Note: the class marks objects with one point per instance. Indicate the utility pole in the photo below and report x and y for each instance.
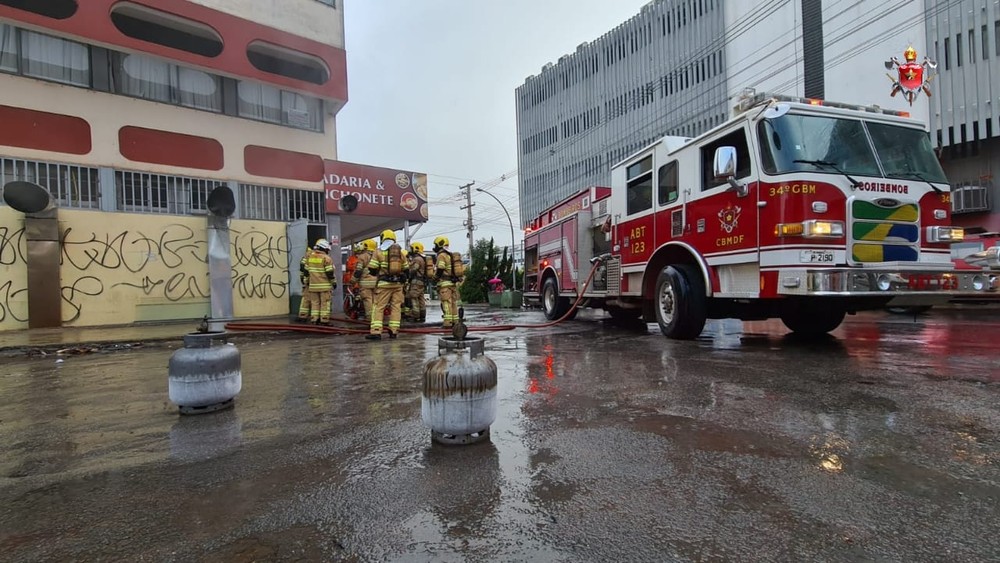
(468, 222)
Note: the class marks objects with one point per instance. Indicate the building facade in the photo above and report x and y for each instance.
(659, 73)
(679, 66)
(130, 113)
(964, 39)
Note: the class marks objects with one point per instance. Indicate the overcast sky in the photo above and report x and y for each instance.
(431, 86)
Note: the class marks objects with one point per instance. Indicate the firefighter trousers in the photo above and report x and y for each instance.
(368, 298)
(319, 305)
(305, 305)
(418, 306)
(387, 294)
(449, 304)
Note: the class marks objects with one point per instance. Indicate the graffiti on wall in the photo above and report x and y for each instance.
(13, 274)
(168, 264)
(260, 264)
(114, 263)
(260, 268)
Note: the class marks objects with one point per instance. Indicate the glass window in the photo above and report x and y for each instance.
(818, 144)
(639, 189)
(301, 111)
(906, 153)
(738, 140)
(144, 77)
(197, 89)
(8, 48)
(639, 168)
(267, 103)
(154, 79)
(53, 58)
(259, 101)
(667, 188)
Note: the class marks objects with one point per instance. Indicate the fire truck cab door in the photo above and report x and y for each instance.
(724, 213)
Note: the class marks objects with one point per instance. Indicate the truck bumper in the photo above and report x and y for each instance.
(888, 283)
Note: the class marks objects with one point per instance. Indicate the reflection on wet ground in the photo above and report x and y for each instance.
(879, 442)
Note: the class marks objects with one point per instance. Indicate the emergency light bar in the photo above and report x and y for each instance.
(750, 101)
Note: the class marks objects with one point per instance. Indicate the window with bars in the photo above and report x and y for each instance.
(70, 185)
(143, 192)
(268, 203)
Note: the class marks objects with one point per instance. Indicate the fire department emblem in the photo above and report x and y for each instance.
(729, 217)
(912, 77)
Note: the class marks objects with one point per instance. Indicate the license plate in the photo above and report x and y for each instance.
(816, 256)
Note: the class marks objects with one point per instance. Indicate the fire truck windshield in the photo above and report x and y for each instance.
(906, 153)
(792, 143)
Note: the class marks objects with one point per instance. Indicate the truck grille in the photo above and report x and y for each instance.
(885, 230)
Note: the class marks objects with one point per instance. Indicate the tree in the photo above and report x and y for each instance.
(485, 264)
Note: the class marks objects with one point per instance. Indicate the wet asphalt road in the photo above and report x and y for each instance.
(611, 444)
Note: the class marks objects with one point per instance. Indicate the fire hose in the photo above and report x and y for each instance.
(318, 329)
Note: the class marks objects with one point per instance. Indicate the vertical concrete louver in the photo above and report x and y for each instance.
(813, 70)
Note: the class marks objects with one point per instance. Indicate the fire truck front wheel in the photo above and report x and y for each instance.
(681, 307)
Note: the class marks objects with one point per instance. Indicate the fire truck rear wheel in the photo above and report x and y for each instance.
(553, 305)
(812, 320)
(681, 307)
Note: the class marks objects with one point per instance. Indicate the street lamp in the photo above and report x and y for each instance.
(512, 240)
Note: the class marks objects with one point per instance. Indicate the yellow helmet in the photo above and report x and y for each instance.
(369, 244)
(441, 241)
(388, 234)
(403, 252)
(417, 247)
(910, 54)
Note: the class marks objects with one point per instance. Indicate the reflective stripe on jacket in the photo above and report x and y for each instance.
(320, 268)
(367, 280)
(444, 265)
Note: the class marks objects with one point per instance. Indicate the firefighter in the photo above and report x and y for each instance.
(306, 304)
(318, 266)
(418, 281)
(364, 278)
(388, 266)
(450, 270)
(352, 262)
(406, 312)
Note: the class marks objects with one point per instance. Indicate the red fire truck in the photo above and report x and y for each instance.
(798, 209)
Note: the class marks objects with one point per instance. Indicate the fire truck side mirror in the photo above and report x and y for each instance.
(724, 168)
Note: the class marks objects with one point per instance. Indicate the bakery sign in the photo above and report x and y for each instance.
(379, 192)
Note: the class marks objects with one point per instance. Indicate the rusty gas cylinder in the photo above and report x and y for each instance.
(459, 399)
(205, 375)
